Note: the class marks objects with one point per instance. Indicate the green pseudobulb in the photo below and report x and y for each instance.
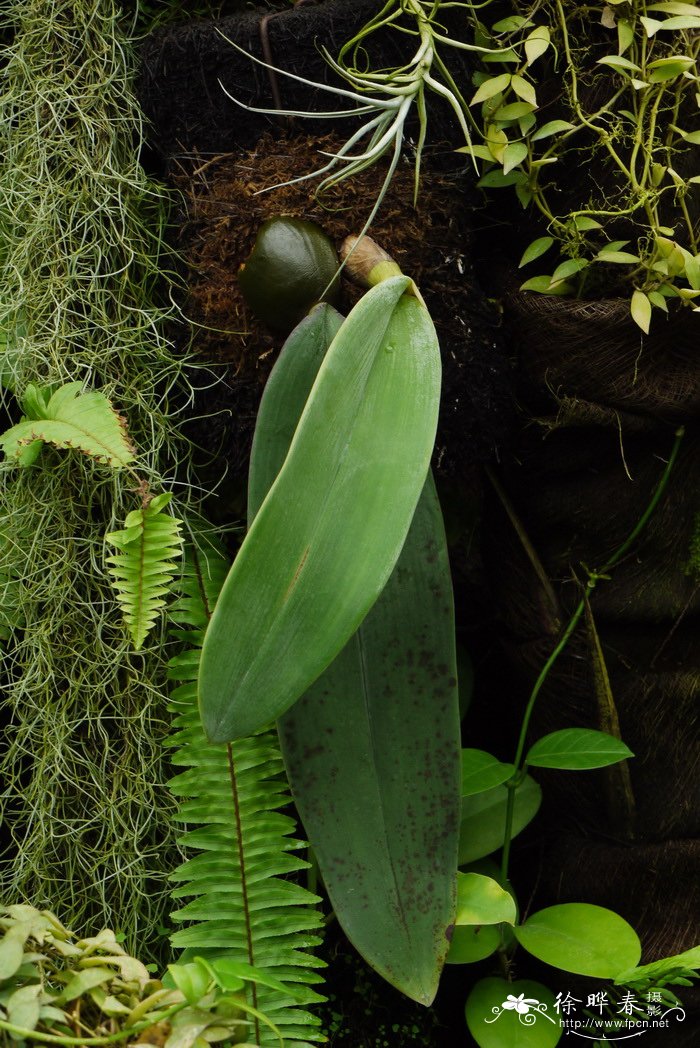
(293, 265)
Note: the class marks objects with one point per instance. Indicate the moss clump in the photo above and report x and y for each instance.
(81, 264)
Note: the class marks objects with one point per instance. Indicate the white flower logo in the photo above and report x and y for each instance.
(520, 1004)
(527, 1009)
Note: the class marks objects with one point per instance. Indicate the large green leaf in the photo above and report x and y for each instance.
(581, 938)
(519, 1014)
(372, 748)
(483, 823)
(332, 525)
(69, 418)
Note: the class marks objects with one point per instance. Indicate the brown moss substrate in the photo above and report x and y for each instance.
(224, 210)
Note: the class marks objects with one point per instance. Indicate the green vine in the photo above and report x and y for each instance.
(594, 577)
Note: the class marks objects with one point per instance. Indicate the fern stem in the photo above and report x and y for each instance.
(242, 868)
(239, 828)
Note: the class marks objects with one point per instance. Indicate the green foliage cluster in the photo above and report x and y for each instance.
(83, 307)
(630, 89)
(573, 937)
(60, 989)
(627, 106)
(498, 799)
(82, 261)
(51, 980)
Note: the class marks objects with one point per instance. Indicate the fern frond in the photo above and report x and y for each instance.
(69, 418)
(143, 570)
(241, 905)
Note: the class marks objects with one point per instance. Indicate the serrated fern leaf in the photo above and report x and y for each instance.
(69, 418)
(241, 904)
(142, 572)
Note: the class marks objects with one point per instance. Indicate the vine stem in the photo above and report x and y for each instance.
(594, 577)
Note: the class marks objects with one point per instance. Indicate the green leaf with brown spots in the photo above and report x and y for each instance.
(372, 749)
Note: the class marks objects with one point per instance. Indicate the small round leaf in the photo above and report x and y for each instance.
(481, 900)
(519, 1014)
(581, 938)
(470, 944)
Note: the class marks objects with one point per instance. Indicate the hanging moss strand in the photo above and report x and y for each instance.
(83, 297)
